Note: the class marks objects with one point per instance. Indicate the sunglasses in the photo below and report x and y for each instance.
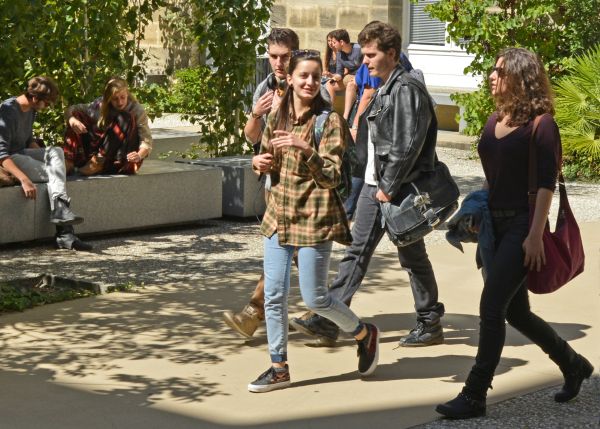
(499, 71)
(308, 53)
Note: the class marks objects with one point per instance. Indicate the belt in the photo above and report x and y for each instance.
(507, 213)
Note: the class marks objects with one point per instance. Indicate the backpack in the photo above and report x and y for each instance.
(349, 160)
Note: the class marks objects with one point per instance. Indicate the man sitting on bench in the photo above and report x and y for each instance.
(30, 163)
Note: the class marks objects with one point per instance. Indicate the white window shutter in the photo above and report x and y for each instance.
(425, 30)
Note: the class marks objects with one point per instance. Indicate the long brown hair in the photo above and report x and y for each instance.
(328, 51)
(527, 92)
(282, 116)
(113, 86)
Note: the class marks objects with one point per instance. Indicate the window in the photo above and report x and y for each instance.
(425, 30)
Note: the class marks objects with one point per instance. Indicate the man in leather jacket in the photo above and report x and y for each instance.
(395, 142)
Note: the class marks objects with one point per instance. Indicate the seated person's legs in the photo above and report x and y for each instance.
(351, 94)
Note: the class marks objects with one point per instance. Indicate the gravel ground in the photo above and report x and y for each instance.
(186, 254)
(536, 411)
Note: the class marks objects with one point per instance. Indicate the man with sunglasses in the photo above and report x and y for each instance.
(30, 163)
(398, 130)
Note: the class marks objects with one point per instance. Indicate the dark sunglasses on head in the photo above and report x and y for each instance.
(309, 53)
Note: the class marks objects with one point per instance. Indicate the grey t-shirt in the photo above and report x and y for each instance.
(16, 128)
(351, 61)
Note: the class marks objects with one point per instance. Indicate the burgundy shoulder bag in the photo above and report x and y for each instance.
(563, 247)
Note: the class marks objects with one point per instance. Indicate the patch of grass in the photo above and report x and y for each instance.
(19, 298)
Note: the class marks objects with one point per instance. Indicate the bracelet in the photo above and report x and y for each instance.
(254, 115)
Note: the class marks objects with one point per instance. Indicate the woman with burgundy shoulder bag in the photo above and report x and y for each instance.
(521, 90)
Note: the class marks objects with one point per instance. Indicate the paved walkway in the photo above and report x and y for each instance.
(163, 358)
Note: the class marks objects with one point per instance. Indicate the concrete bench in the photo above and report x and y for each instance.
(162, 193)
(243, 194)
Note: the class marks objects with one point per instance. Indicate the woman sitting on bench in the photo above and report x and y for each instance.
(110, 135)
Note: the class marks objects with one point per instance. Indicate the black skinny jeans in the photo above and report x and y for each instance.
(505, 297)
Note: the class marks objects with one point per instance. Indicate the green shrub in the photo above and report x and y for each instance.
(578, 116)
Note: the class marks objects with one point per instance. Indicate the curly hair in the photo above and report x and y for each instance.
(526, 88)
(43, 88)
(386, 37)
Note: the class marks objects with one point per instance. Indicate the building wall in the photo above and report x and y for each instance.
(313, 19)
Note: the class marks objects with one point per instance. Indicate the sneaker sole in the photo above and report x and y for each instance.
(371, 369)
(269, 387)
(231, 323)
(433, 342)
(444, 412)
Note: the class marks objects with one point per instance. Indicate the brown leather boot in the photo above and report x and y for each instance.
(94, 166)
(245, 322)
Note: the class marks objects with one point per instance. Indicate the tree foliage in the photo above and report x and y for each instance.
(80, 43)
(230, 33)
(555, 29)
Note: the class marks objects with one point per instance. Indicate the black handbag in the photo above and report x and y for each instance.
(421, 206)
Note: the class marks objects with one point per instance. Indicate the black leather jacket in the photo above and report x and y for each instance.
(403, 130)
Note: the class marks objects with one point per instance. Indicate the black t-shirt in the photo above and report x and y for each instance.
(505, 161)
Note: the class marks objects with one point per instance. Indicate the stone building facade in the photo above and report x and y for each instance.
(313, 19)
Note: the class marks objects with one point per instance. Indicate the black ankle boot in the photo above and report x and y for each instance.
(574, 376)
(464, 406)
(66, 239)
(323, 329)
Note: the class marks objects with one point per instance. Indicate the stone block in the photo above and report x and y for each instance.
(168, 139)
(380, 14)
(18, 214)
(278, 16)
(328, 18)
(354, 18)
(243, 193)
(162, 193)
(317, 39)
(303, 17)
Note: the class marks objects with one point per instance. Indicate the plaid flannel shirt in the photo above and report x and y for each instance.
(303, 207)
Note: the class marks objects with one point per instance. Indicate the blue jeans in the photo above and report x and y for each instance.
(352, 200)
(313, 267)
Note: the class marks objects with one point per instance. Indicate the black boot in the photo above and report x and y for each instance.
(66, 239)
(323, 329)
(465, 406)
(574, 376)
(424, 334)
(63, 215)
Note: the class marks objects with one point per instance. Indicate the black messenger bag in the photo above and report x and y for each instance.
(421, 206)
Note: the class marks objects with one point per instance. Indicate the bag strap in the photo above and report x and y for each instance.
(318, 126)
(532, 188)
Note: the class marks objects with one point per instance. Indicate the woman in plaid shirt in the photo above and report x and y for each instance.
(304, 212)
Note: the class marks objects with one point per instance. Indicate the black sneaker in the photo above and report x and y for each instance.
(271, 379)
(325, 331)
(423, 335)
(464, 406)
(368, 351)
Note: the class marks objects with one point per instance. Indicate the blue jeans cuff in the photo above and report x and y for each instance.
(357, 331)
(279, 358)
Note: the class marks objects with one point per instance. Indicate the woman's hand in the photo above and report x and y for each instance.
(286, 139)
(134, 157)
(28, 188)
(535, 258)
(77, 125)
(262, 162)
